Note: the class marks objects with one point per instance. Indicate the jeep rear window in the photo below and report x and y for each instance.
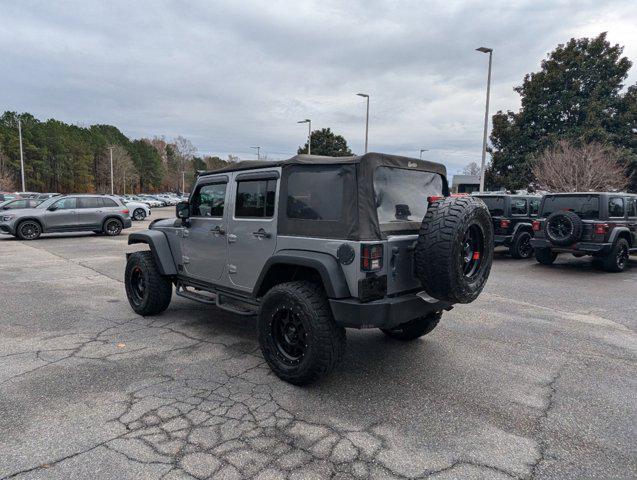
(315, 193)
(586, 206)
(401, 196)
(495, 205)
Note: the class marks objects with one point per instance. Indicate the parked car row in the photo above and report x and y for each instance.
(598, 224)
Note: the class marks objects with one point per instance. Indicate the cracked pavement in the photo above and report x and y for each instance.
(534, 380)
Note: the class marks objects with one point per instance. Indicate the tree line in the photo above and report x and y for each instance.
(59, 157)
(576, 122)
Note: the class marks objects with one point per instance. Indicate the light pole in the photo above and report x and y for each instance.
(486, 116)
(258, 152)
(183, 182)
(366, 96)
(422, 150)
(309, 134)
(111, 150)
(21, 155)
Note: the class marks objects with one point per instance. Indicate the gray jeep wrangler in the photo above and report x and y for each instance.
(313, 245)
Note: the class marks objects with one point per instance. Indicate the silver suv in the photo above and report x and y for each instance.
(69, 213)
(313, 245)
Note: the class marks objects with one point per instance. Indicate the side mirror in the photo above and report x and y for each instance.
(183, 210)
(52, 208)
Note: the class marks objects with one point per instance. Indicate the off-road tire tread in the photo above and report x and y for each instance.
(159, 287)
(608, 262)
(436, 241)
(329, 338)
(515, 248)
(545, 256)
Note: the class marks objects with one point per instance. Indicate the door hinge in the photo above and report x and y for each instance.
(185, 259)
(232, 268)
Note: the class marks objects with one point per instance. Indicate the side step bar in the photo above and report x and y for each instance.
(227, 302)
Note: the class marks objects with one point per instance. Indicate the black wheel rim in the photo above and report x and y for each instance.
(29, 230)
(560, 227)
(139, 214)
(289, 337)
(622, 256)
(137, 285)
(525, 247)
(113, 227)
(472, 251)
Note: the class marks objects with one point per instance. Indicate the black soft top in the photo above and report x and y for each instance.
(359, 219)
(372, 158)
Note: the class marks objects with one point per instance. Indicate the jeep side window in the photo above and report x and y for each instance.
(632, 207)
(306, 194)
(255, 199)
(518, 206)
(209, 200)
(616, 207)
(534, 207)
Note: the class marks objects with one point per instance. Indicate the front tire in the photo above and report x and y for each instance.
(414, 329)
(297, 333)
(148, 291)
(113, 227)
(521, 248)
(545, 256)
(618, 259)
(28, 230)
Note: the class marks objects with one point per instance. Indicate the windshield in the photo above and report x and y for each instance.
(401, 196)
(494, 204)
(585, 206)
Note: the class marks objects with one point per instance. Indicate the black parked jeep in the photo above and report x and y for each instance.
(603, 225)
(513, 217)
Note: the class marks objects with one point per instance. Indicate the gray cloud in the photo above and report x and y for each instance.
(231, 74)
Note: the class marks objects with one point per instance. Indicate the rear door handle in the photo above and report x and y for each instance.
(261, 233)
(232, 238)
(218, 230)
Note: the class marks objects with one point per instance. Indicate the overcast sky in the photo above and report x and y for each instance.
(233, 74)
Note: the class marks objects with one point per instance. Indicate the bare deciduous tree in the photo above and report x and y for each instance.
(587, 168)
(123, 170)
(471, 169)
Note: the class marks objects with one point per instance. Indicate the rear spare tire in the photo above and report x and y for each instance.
(563, 228)
(454, 250)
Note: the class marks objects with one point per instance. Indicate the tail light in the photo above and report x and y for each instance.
(125, 212)
(505, 223)
(434, 198)
(371, 257)
(601, 228)
(536, 225)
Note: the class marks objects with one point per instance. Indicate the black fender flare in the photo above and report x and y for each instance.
(522, 226)
(326, 265)
(617, 231)
(159, 247)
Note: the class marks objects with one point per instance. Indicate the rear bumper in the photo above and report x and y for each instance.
(128, 223)
(385, 313)
(502, 240)
(599, 249)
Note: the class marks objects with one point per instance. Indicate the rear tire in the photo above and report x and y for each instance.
(521, 248)
(28, 230)
(454, 251)
(139, 214)
(617, 260)
(545, 256)
(297, 333)
(148, 291)
(414, 329)
(113, 227)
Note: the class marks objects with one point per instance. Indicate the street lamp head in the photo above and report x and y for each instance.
(363, 95)
(484, 49)
(307, 120)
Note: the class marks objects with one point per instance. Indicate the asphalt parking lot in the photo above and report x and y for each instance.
(534, 380)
